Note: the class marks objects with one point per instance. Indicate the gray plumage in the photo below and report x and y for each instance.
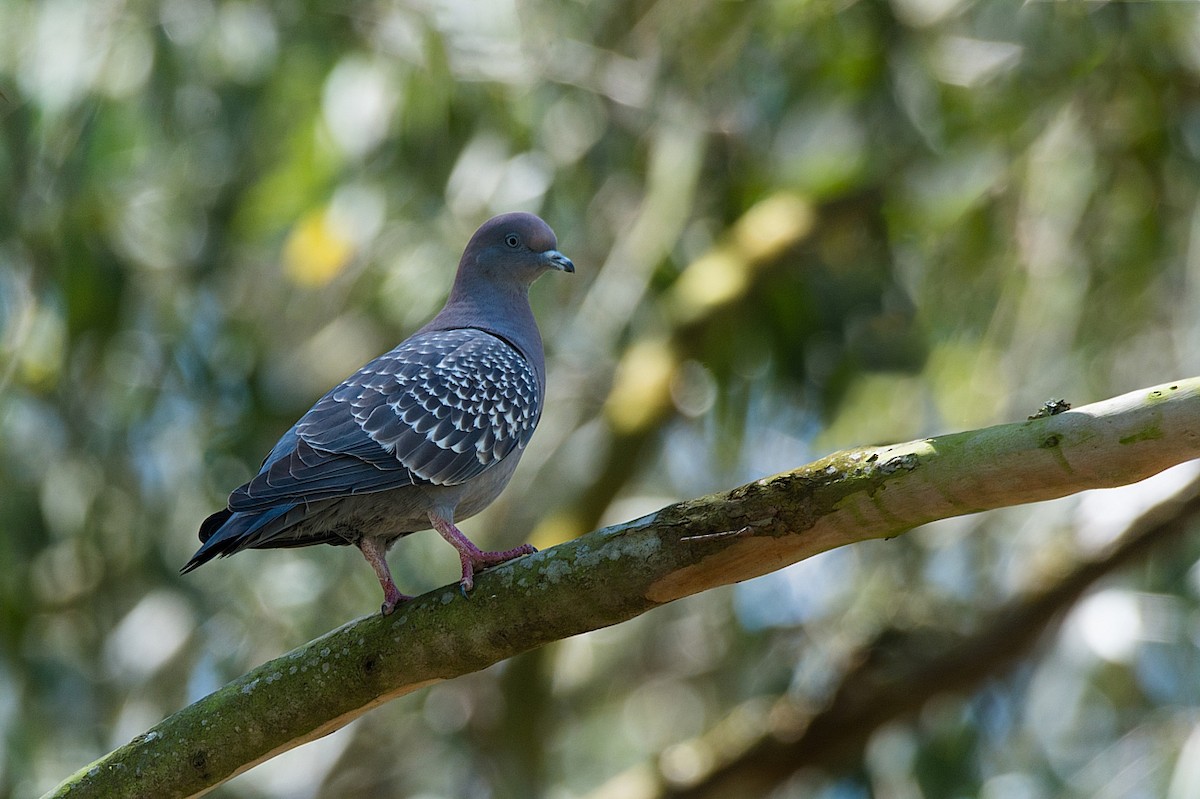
(422, 435)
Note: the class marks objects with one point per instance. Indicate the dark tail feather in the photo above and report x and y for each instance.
(222, 533)
(213, 523)
(226, 532)
(208, 528)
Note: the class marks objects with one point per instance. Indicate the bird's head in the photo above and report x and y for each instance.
(515, 247)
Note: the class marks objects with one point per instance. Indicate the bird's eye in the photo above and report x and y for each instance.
(512, 240)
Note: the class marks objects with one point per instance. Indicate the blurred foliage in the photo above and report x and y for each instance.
(215, 210)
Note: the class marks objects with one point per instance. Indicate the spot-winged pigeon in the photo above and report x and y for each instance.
(422, 435)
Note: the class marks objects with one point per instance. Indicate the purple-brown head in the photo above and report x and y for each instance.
(516, 246)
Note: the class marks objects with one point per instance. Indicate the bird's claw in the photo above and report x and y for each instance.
(392, 599)
(482, 561)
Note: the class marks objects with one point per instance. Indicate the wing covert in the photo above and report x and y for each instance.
(441, 408)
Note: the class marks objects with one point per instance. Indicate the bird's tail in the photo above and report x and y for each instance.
(226, 532)
(214, 523)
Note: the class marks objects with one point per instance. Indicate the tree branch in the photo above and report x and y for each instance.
(614, 574)
(899, 671)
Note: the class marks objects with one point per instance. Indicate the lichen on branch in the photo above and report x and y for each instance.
(614, 574)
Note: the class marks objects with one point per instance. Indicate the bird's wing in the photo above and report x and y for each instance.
(439, 409)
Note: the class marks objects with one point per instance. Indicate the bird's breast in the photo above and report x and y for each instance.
(466, 500)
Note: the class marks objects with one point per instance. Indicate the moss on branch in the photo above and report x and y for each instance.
(619, 572)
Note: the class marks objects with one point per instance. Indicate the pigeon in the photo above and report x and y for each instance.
(421, 437)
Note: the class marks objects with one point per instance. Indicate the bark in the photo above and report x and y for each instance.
(614, 574)
(901, 670)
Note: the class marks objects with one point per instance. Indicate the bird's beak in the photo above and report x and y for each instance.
(558, 261)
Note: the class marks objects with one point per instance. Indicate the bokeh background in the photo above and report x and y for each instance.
(799, 225)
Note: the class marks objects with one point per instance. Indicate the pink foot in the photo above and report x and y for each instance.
(391, 598)
(471, 556)
(375, 552)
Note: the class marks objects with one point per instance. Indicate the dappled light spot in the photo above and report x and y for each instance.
(358, 102)
(316, 250)
(1111, 624)
(725, 273)
(642, 388)
(148, 636)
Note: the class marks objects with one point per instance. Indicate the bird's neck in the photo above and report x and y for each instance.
(500, 309)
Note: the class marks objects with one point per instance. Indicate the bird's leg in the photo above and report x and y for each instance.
(473, 557)
(375, 551)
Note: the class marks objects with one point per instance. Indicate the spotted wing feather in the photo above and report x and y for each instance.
(439, 409)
